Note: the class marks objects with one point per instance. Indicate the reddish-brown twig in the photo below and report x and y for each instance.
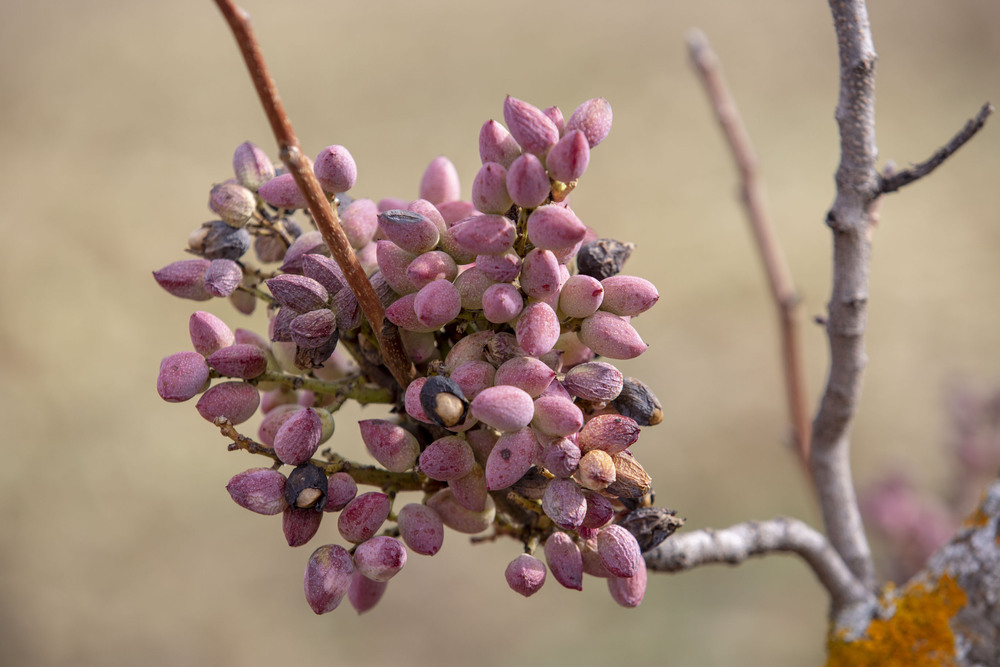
(299, 166)
(779, 276)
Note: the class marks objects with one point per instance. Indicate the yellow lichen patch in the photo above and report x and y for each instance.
(917, 635)
(977, 519)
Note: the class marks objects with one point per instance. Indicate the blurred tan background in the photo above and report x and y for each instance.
(119, 544)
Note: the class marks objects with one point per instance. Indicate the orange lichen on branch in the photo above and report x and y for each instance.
(917, 634)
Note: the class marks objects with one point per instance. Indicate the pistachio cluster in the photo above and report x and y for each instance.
(503, 303)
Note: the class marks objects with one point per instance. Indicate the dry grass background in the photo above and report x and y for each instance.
(119, 545)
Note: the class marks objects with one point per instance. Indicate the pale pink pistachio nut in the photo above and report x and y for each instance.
(537, 329)
(393, 262)
(440, 182)
(468, 348)
(449, 243)
(554, 227)
(593, 118)
(552, 359)
(411, 401)
(233, 203)
(222, 277)
(279, 326)
(564, 503)
(298, 292)
(368, 258)
(527, 183)
(484, 234)
(501, 268)
(472, 285)
(282, 192)
(610, 336)
(447, 458)
(429, 211)
(260, 490)
(530, 127)
(565, 561)
(482, 441)
(421, 528)
(599, 511)
(313, 329)
(420, 346)
(410, 231)
(525, 575)
(236, 401)
(581, 296)
(243, 302)
(274, 398)
(568, 254)
(185, 279)
(364, 593)
(569, 158)
(470, 490)
(555, 114)
(453, 211)
(629, 591)
(527, 373)
(359, 221)
(510, 459)
(284, 356)
(325, 271)
(619, 551)
(300, 525)
(596, 470)
(460, 518)
(182, 377)
(497, 145)
(239, 361)
(574, 352)
(437, 303)
(594, 381)
(503, 407)
(612, 433)
(431, 266)
(540, 274)
(388, 203)
(556, 388)
(628, 295)
(489, 189)
(592, 564)
(502, 302)
(327, 578)
(402, 314)
(274, 420)
(335, 169)
(556, 416)
(252, 166)
(298, 438)
(561, 457)
(473, 377)
(341, 489)
(309, 243)
(269, 248)
(390, 444)
(380, 558)
(362, 517)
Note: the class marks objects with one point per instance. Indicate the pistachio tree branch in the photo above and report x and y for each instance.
(857, 186)
(779, 276)
(323, 214)
(734, 545)
(907, 176)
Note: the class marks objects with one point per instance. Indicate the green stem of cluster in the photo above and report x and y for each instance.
(353, 387)
(263, 296)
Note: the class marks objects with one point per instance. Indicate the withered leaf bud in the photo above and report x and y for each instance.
(651, 525)
(603, 258)
(638, 401)
(306, 487)
(631, 479)
(443, 401)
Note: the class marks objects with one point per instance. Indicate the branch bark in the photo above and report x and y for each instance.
(736, 544)
(779, 276)
(325, 216)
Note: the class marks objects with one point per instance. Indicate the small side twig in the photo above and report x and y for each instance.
(779, 275)
(736, 544)
(905, 177)
(325, 216)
